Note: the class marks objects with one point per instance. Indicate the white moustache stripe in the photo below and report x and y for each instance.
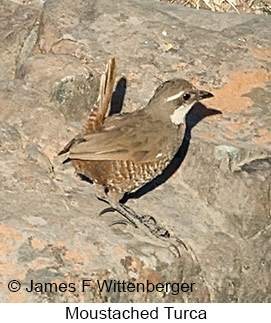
(174, 97)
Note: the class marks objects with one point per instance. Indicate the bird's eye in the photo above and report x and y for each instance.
(186, 96)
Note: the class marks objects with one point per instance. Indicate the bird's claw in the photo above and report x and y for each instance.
(119, 222)
(177, 251)
(182, 243)
(107, 210)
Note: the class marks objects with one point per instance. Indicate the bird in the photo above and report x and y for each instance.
(122, 152)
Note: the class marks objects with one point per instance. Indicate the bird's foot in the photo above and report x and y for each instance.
(161, 233)
(148, 222)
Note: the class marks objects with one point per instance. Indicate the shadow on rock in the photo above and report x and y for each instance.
(118, 97)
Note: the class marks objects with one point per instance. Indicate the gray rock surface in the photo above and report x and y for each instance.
(218, 201)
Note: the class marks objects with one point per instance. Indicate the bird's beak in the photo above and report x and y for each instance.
(204, 95)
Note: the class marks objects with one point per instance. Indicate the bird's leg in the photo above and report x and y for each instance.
(112, 198)
(159, 232)
(149, 222)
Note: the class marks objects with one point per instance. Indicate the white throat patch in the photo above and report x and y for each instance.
(178, 116)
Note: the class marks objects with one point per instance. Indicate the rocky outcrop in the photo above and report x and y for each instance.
(216, 194)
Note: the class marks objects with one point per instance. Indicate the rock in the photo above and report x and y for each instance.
(215, 196)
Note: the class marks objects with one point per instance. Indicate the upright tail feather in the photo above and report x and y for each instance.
(100, 110)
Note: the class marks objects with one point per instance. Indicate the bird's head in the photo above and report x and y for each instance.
(175, 98)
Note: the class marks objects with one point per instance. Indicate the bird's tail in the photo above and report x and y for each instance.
(100, 110)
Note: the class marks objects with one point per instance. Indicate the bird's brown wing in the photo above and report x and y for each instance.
(134, 141)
